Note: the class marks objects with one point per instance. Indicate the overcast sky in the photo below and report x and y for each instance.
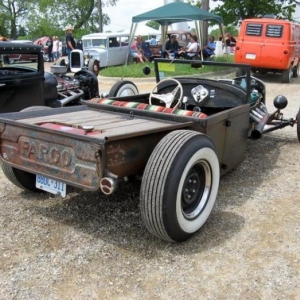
(121, 14)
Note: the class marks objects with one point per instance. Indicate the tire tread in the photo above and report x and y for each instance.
(155, 176)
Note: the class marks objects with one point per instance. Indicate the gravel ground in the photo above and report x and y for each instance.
(90, 246)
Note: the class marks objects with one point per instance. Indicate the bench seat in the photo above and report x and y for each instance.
(145, 106)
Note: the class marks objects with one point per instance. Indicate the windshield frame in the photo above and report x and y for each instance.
(94, 43)
(163, 64)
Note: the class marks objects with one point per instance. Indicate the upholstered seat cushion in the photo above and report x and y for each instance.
(146, 106)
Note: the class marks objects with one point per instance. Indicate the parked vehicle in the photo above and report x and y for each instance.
(22, 76)
(110, 49)
(179, 139)
(22, 41)
(181, 36)
(12, 58)
(43, 42)
(23, 81)
(269, 45)
(99, 50)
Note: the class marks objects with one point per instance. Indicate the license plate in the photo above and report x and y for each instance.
(51, 185)
(250, 56)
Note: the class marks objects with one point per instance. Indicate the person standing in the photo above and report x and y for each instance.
(60, 54)
(50, 48)
(55, 48)
(70, 42)
(230, 41)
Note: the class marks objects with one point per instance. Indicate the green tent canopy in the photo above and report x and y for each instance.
(176, 12)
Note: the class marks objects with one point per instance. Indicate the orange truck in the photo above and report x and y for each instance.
(269, 45)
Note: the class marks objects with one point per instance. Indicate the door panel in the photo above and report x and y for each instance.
(21, 83)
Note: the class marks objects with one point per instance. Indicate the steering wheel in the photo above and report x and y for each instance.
(168, 98)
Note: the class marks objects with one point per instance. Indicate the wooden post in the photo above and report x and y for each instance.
(205, 6)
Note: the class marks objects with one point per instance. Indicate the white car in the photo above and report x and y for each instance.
(110, 49)
(100, 50)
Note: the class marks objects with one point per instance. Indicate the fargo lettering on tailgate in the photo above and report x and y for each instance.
(44, 152)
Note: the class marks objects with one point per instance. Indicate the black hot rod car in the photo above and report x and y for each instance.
(24, 83)
(178, 139)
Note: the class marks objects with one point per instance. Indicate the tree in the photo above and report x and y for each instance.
(236, 10)
(84, 15)
(217, 32)
(49, 17)
(103, 18)
(153, 24)
(203, 4)
(14, 11)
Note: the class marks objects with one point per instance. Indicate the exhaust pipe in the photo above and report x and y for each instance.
(67, 99)
(261, 116)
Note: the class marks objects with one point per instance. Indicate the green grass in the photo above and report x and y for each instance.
(132, 70)
(136, 70)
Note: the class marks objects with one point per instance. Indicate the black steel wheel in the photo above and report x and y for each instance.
(179, 185)
(123, 88)
(20, 178)
(94, 66)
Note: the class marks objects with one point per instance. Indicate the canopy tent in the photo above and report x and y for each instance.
(175, 12)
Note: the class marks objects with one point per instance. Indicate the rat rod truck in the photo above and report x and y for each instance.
(179, 139)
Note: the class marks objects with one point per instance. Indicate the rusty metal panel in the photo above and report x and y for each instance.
(129, 156)
(63, 158)
(236, 137)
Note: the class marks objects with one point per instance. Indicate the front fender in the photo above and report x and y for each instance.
(100, 54)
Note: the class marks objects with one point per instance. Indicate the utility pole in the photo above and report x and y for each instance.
(205, 6)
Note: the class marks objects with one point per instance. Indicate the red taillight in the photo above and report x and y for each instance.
(237, 48)
(285, 52)
(108, 185)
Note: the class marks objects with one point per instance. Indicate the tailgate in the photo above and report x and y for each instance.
(68, 159)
